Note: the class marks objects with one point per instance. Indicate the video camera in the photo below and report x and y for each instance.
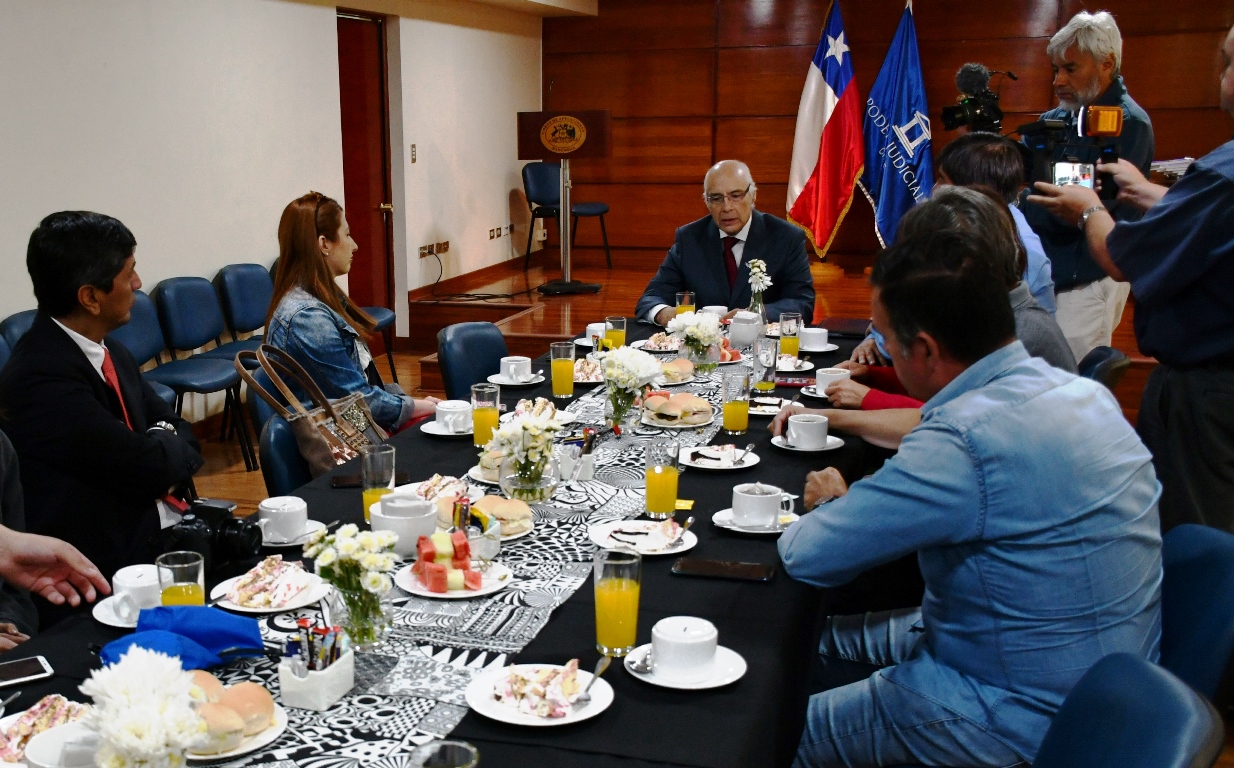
(977, 106)
(1043, 138)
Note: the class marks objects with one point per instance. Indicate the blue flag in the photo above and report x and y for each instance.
(899, 166)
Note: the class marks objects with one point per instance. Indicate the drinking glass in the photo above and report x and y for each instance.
(485, 402)
(736, 402)
(182, 578)
(376, 474)
(615, 333)
(617, 574)
(685, 302)
(447, 753)
(790, 330)
(764, 364)
(561, 353)
(661, 462)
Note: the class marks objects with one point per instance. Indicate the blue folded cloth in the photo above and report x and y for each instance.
(195, 633)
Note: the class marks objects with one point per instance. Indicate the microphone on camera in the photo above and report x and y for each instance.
(972, 79)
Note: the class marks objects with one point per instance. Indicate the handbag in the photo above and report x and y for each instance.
(330, 433)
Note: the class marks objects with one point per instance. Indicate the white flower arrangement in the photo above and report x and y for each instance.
(354, 559)
(143, 711)
(527, 440)
(629, 369)
(759, 281)
(697, 330)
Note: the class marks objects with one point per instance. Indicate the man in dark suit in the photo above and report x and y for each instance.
(102, 456)
(711, 256)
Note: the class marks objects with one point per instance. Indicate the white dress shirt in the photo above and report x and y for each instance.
(739, 248)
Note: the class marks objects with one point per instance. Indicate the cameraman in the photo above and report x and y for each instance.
(1087, 55)
(1179, 260)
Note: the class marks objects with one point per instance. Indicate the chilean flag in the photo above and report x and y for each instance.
(827, 146)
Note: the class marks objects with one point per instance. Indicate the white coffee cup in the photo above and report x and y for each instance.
(715, 309)
(683, 649)
(596, 331)
(813, 338)
(454, 415)
(824, 377)
(406, 516)
(135, 587)
(807, 431)
(758, 505)
(516, 368)
(282, 518)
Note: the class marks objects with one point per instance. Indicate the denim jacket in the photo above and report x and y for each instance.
(1032, 506)
(323, 342)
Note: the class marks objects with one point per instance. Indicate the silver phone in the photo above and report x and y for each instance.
(24, 670)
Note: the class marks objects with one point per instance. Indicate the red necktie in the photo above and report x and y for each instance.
(109, 376)
(730, 261)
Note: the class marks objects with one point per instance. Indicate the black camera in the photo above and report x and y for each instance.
(229, 545)
(978, 105)
(1081, 139)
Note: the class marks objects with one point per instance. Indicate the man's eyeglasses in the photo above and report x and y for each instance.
(732, 197)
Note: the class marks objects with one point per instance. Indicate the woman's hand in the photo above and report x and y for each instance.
(846, 393)
(425, 406)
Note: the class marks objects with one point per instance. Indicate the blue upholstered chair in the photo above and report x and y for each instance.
(542, 185)
(143, 338)
(1197, 605)
(1104, 364)
(5, 351)
(467, 354)
(282, 466)
(15, 326)
(244, 292)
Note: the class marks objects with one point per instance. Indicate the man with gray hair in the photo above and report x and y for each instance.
(1087, 57)
(711, 257)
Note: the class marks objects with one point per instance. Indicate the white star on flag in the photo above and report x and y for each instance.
(836, 48)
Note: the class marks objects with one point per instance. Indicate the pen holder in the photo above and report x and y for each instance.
(321, 688)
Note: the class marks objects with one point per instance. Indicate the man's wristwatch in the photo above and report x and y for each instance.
(167, 425)
(1089, 212)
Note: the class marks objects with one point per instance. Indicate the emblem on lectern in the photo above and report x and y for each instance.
(563, 134)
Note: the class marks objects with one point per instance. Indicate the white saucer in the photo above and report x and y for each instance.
(600, 533)
(802, 365)
(688, 460)
(497, 378)
(825, 348)
(729, 667)
(433, 428)
(724, 519)
(312, 527)
(833, 442)
(660, 381)
(811, 390)
(104, 612)
(479, 696)
(584, 342)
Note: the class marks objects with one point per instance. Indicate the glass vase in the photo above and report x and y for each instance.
(367, 617)
(705, 358)
(757, 306)
(531, 482)
(621, 415)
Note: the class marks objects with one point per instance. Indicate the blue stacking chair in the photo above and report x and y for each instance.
(542, 185)
(5, 351)
(244, 292)
(1197, 605)
(468, 353)
(282, 466)
(15, 326)
(1104, 364)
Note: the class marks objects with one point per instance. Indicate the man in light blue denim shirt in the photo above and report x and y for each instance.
(1032, 505)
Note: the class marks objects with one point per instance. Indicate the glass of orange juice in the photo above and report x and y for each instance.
(561, 353)
(485, 405)
(790, 330)
(182, 578)
(376, 473)
(685, 302)
(736, 402)
(615, 331)
(662, 470)
(617, 574)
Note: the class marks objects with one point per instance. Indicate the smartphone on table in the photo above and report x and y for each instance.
(24, 670)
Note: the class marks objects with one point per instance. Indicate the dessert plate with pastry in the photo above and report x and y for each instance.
(20, 728)
(646, 537)
(272, 586)
(766, 406)
(718, 457)
(240, 719)
(537, 695)
(680, 411)
(792, 364)
(540, 407)
(587, 371)
(659, 342)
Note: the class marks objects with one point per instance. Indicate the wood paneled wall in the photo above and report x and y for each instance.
(690, 82)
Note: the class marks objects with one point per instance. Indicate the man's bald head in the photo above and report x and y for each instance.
(728, 189)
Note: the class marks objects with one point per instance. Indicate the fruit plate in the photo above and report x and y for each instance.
(250, 743)
(479, 696)
(316, 590)
(496, 578)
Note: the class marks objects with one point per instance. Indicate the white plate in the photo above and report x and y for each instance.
(250, 743)
(589, 383)
(660, 381)
(474, 474)
(811, 390)
(104, 612)
(497, 378)
(561, 417)
(600, 532)
(316, 590)
(433, 428)
(688, 459)
(766, 410)
(497, 578)
(802, 365)
(729, 668)
(312, 527)
(649, 423)
(724, 519)
(833, 442)
(479, 696)
(739, 361)
(825, 348)
(642, 343)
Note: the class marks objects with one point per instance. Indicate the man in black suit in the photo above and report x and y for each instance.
(102, 456)
(711, 256)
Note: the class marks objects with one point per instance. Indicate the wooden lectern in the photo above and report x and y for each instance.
(562, 136)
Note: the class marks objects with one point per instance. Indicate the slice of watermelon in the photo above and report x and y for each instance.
(433, 575)
(461, 564)
(425, 550)
(462, 547)
(473, 580)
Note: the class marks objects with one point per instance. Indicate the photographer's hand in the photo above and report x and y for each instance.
(1066, 202)
(1133, 188)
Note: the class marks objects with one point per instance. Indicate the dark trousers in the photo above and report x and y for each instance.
(1187, 421)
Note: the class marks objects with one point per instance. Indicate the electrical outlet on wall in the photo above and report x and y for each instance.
(490, 234)
(413, 153)
(425, 251)
(445, 247)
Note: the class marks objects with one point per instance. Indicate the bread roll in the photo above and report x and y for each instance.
(211, 688)
(515, 516)
(252, 703)
(224, 728)
(445, 511)
(654, 402)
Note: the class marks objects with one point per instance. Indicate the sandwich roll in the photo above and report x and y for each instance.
(208, 685)
(224, 729)
(515, 516)
(252, 703)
